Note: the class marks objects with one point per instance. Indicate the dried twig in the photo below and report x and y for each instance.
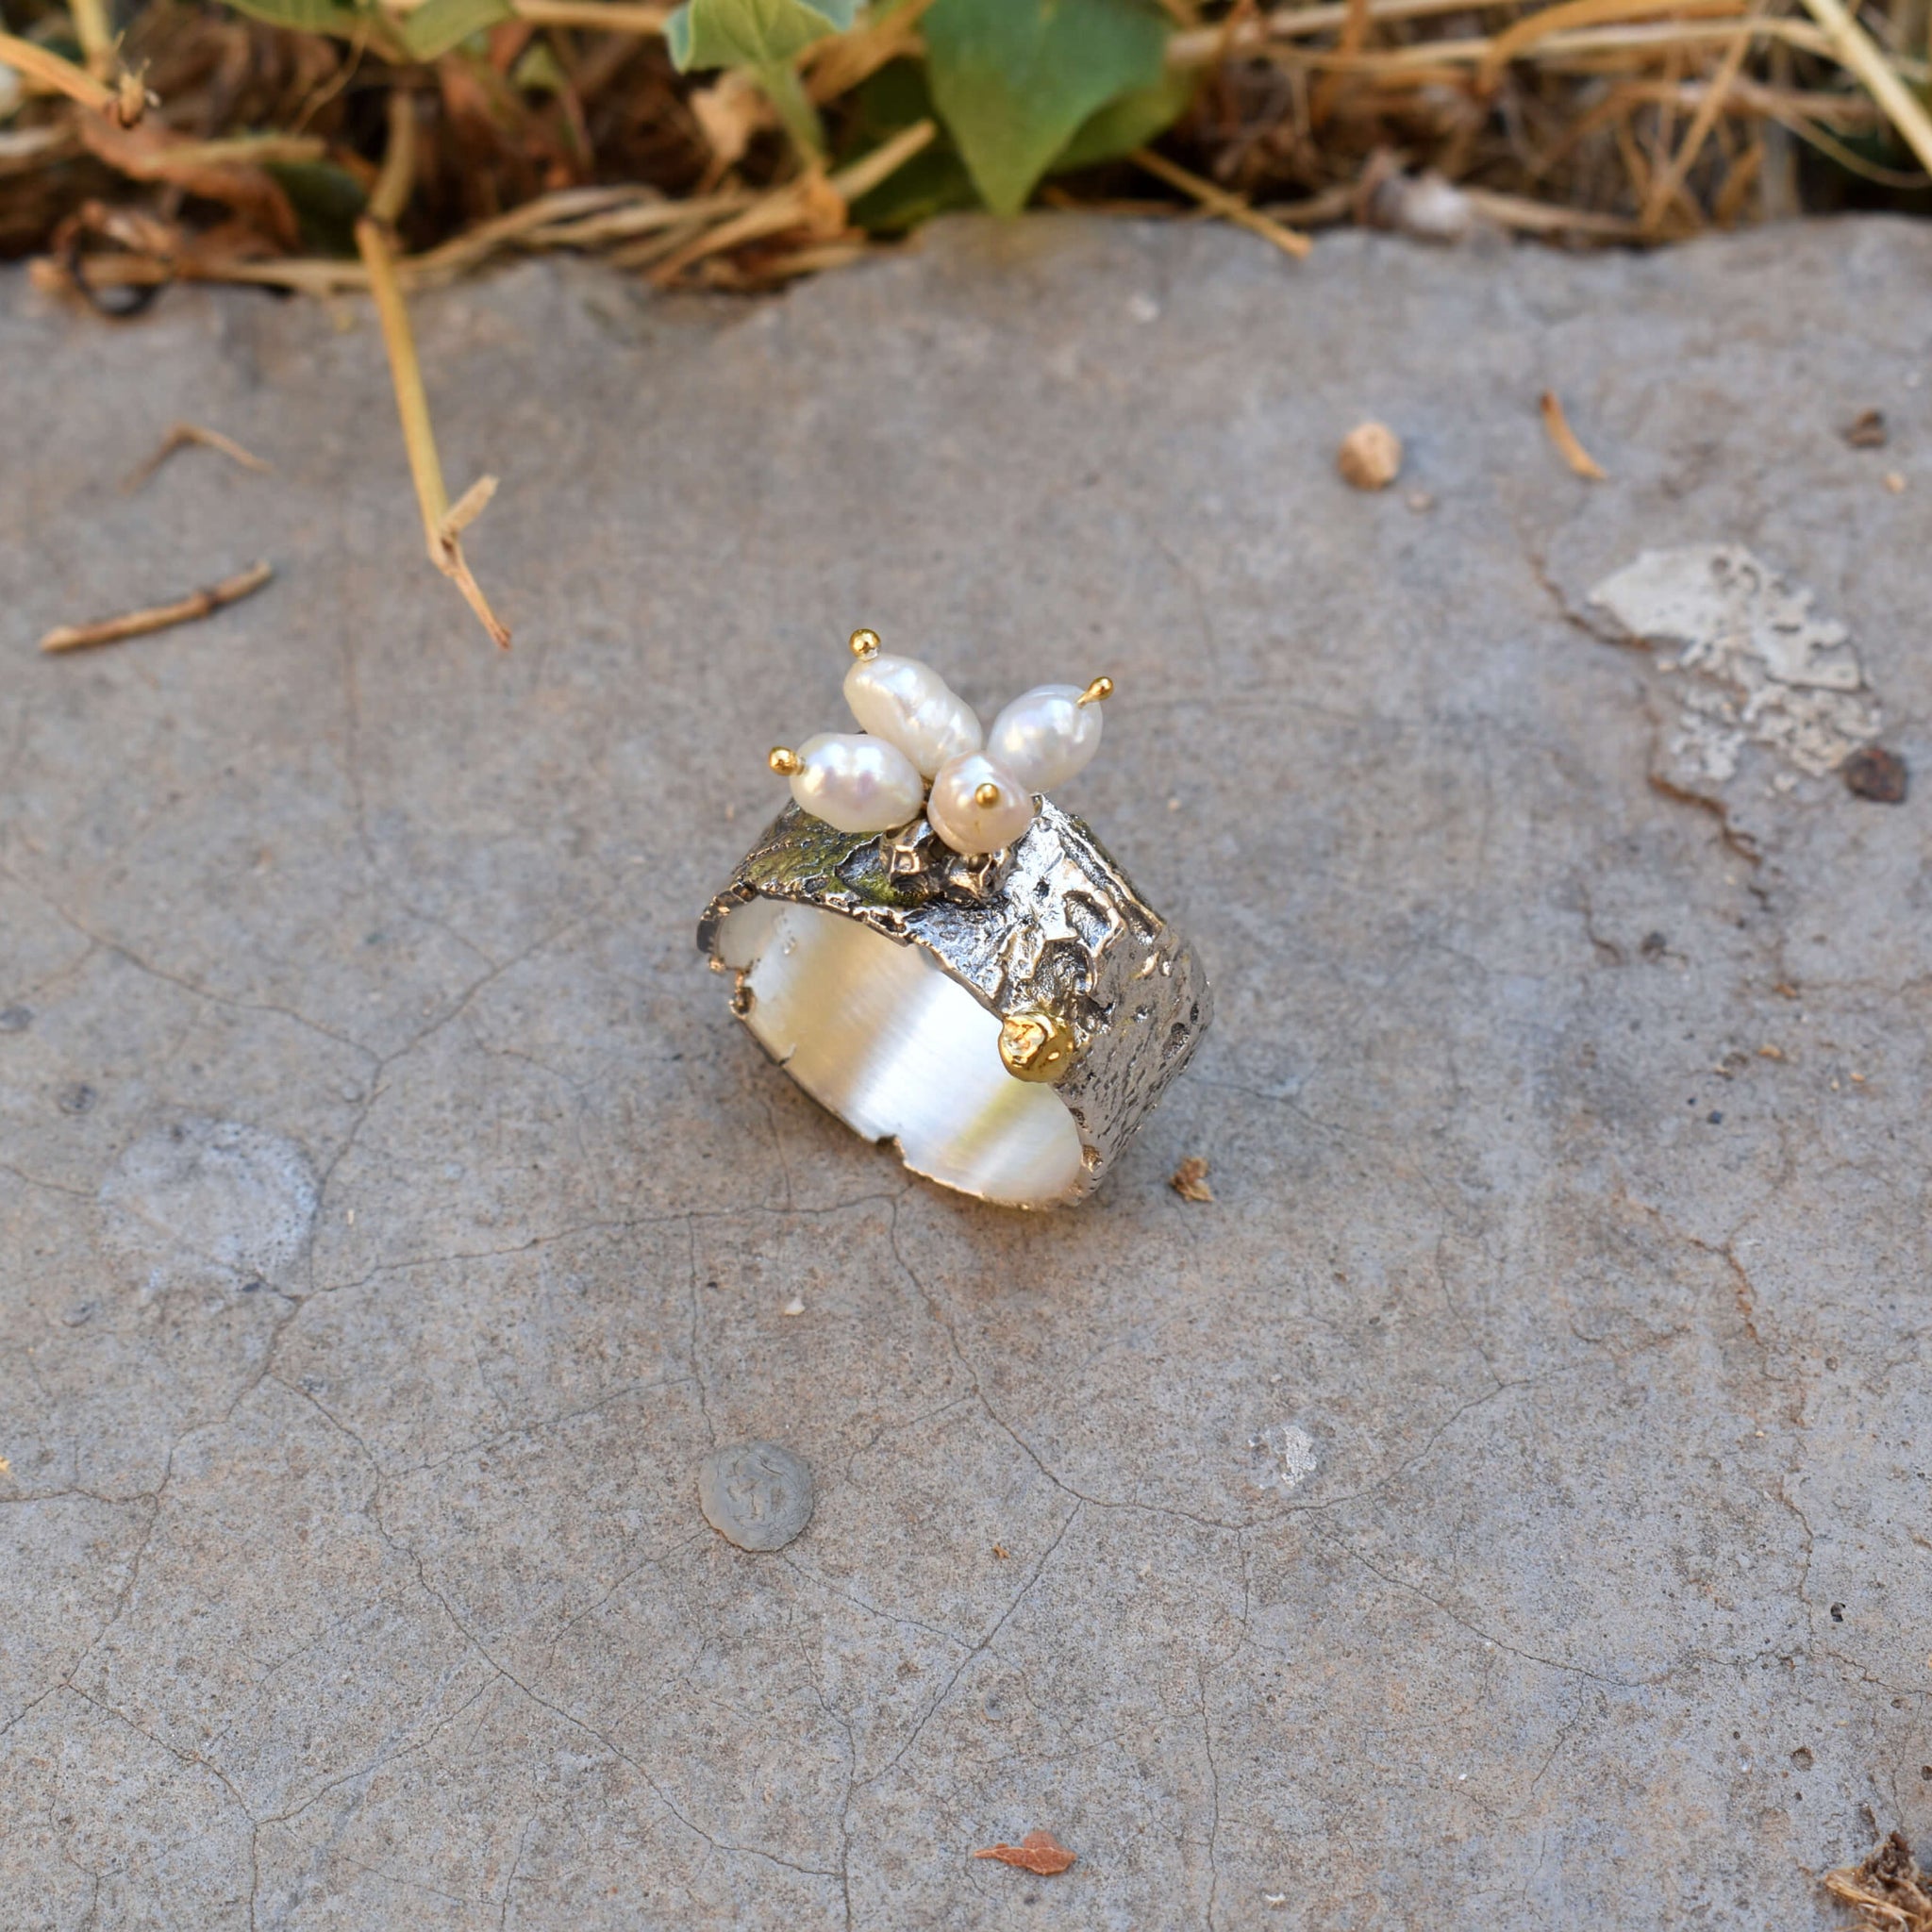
(1219, 201)
(442, 527)
(178, 436)
(1565, 440)
(197, 603)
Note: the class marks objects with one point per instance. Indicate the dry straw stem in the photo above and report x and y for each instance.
(442, 526)
(180, 435)
(197, 603)
(125, 103)
(1564, 437)
(1219, 201)
(1669, 178)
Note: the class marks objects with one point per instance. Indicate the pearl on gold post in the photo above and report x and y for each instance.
(854, 782)
(1049, 735)
(977, 805)
(909, 703)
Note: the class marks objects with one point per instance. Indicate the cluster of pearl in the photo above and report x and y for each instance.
(918, 733)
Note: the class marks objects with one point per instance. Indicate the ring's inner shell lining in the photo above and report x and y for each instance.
(895, 1048)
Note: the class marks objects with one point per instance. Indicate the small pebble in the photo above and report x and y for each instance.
(1895, 482)
(16, 1019)
(1370, 456)
(1867, 430)
(1873, 772)
(794, 1307)
(755, 1494)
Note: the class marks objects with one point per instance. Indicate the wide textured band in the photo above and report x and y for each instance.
(1007, 1021)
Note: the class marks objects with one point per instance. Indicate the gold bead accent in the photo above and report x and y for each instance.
(865, 643)
(986, 796)
(1101, 688)
(785, 761)
(1035, 1046)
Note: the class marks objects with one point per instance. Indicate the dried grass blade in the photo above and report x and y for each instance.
(125, 104)
(197, 603)
(1572, 451)
(600, 16)
(1855, 49)
(1219, 201)
(1663, 188)
(793, 204)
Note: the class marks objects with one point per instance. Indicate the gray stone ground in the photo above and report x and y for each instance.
(391, 1215)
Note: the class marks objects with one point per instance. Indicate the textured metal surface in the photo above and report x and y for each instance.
(1055, 926)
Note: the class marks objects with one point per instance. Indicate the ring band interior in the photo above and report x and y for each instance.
(898, 1050)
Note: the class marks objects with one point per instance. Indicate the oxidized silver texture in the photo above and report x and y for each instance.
(1049, 924)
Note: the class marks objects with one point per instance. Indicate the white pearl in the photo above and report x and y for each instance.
(968, 826)
(1046, 736)
(909, 703)
(857, 783)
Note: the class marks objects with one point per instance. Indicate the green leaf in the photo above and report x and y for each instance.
(307, 16)
(437, 25)
(751, 33)
(326, 200)
(1130, 121)
(1015, 79)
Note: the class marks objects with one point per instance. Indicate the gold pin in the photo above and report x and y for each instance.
(785, 761)
(986, 796)
(865, 643)
(1101, 688)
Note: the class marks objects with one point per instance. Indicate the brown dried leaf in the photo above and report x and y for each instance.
(1038, 1852)
(1190, 1180)
(1886, 1890)
(1867, 430)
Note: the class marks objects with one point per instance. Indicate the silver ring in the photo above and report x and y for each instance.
(1006, 1021)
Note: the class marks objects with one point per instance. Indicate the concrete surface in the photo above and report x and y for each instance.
(1505, 1504)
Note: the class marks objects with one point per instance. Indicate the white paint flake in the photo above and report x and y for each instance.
(1285, 1456)
(1758, 666)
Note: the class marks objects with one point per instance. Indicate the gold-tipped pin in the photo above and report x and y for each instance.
(1102, 688)
(785, 761)
(865, 643)
(986, 796)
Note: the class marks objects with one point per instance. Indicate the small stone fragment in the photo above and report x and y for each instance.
(1189, 1180)
(1867, 430)
(1038, 1852)
(794, 1307)
(1370, 456)
(1426, 205)
(16, 1019)
(1873, 772)
(1895, 482)
(755, 1494)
